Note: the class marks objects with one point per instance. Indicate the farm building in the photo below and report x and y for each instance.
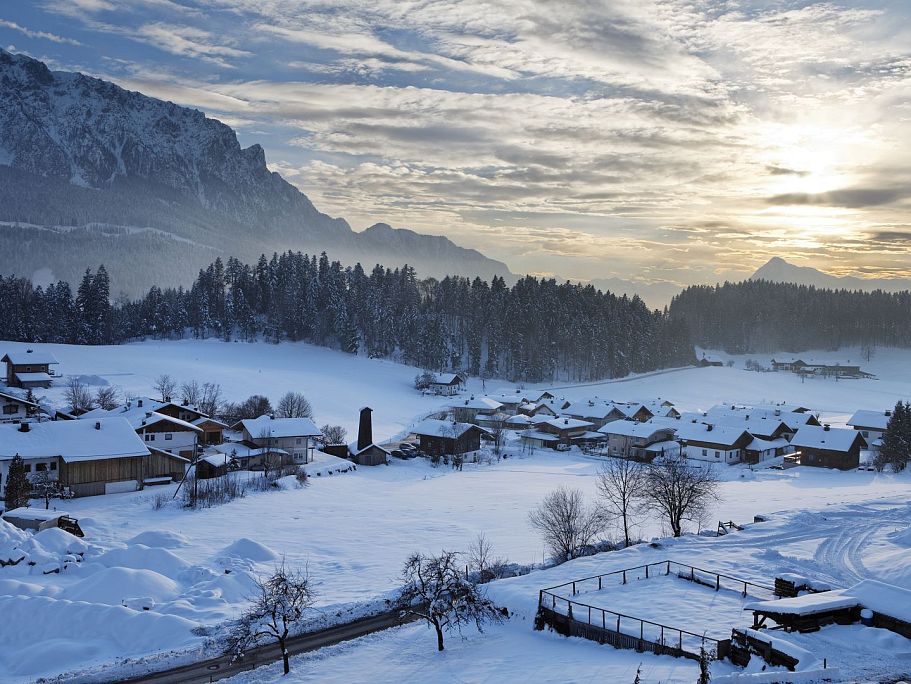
(598, 413)
(566, 429)
(446, 383)
(365, 451)
(29, 368)
(760, 449)
(630, 438)
(473, 408)
(439, 437)
(828, 447)
(293, 435)
(15, 408)
(871, 425)
(88, 457)
(713, 443)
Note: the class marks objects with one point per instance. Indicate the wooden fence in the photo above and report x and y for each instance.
(570, 617)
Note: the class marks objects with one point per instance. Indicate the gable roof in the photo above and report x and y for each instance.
(633, 428)
(72, 440)
(479, 403)
(277, 428)
(831, 439)
(140, 412)
(878, 420)
(723, 435)
(25, 358)
(446, 379)
(565, 423)
(6, 396)
(443, 428)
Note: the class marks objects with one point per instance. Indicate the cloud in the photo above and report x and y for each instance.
(44, 35)
(854, 198)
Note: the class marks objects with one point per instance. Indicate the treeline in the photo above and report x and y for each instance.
(760, 316)
(536, 330)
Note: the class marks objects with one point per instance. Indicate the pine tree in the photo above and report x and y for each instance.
(896, 441)
(18, 486)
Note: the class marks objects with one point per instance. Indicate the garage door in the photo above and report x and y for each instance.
(122, 486)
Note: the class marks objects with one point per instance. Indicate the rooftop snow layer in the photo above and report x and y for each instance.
(73, 440)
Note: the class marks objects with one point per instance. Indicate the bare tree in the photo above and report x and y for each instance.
(165, 386)
(294, 405)
(566, 523)
(620, 483)
(479, 556)
(282, 601)
(106, 397)
(77, 395)
(333, 434)
(678, 492)
(253, 406)
(498, 432)
(44, 486)
(190, 392)
(436, 591)
(210, 399)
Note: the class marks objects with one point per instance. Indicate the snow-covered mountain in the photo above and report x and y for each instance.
(777, 270)
(90, 173)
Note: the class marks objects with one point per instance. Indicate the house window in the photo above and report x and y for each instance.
(28, 467)
(168, 436)
(150, 437)
(40, 467)
(298, 440)
(717, 454)
(53, 465)
(10, 409)
(705, 452)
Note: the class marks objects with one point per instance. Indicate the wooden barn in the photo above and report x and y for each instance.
(439, 437)
(29, 368)
(828, 447)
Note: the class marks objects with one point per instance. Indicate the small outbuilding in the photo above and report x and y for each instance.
(29, 368)
(439, 437)
(828, 447)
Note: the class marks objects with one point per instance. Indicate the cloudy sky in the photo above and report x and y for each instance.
(653, 140)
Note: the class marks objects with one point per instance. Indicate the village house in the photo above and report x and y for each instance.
(760, 449)
(537, 409)
(630, 438)
(712, 443)
(872, 426)
(220, 458)
(86, 458)
(15, 409)
(836, 370)
(473, 408)
(364, 451)
(828, 447)
(29, 369)
(598, 413)
(158, 425)
(566, 429)
(446, 384)
(293, 435)
(439, 437)
(635, 411)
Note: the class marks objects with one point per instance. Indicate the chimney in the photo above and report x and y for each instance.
(98, 424)
(139, 403)
(566, 421)
(708, 428)
(23, 426)
(29, 351)
(825, 427)
(365, 429)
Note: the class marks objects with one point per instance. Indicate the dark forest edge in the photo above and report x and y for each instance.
(537, 330)
(756, 316)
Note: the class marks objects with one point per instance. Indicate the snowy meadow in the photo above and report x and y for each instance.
(354, 530)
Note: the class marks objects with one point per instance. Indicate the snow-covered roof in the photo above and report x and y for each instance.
(886, 599)
(883, 598)
(792, 419)
(6, 396)
(443, 428)
(878, 420)
(241, 450)
(723, 435)
(24, 358)
(565, 423)
(590, 409)
(767, 444)
(73, 440)
(34, 377)
(633, 428)
(445, 378)
(354, 451)
(26, 513)
(479, 403)
(203, 420)
(537, 434)
(819, 437)
(669, 445)
(808, 604)
(153, 418)
(264, 426)
(519, 419)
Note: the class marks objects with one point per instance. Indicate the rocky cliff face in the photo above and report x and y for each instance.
(78, 152)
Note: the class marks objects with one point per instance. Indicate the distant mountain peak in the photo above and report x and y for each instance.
(778, 270)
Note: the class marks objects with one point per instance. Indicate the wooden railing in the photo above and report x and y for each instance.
(558, 608)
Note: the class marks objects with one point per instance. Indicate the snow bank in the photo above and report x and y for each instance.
(112, 585)
(161, 539)
(55, 636)
(55, 540)
(247, 549)
(143, 557)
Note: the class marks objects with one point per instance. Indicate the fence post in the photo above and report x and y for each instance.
(680, 642)
(618, 624)
(668, 568)
(744, 589)
(662, 635)
(540, 598)
(599, 582)
(646, 571)
(717, 582)
(692, 574)
(624, 576)
(603, 621)
(574, 588)
(553, 601)
(641, 630)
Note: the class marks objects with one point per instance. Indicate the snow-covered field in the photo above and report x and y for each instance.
(355, 529)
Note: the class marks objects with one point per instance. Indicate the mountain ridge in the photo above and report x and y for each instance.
(77, 152)
(778, 270)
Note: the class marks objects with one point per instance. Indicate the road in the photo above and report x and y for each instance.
(617, 381)
(220, 668)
